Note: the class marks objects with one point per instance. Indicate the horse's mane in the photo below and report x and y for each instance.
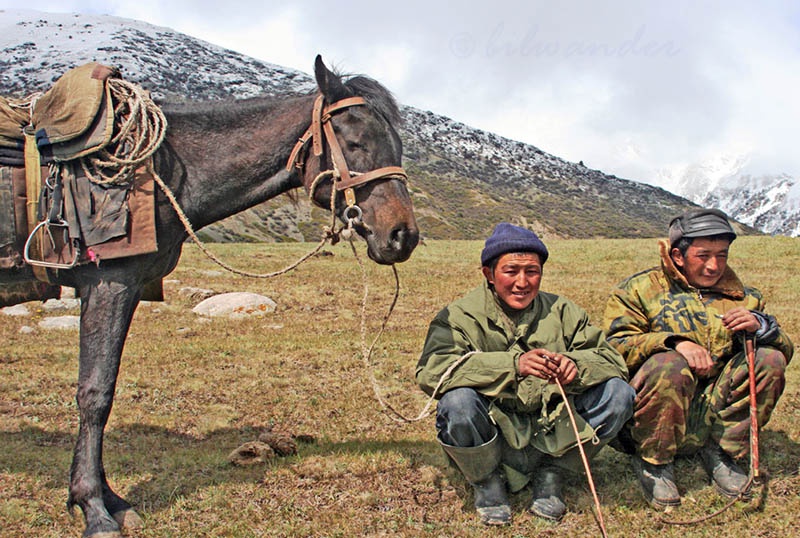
(378, 98)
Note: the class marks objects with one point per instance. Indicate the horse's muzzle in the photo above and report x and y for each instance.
(396, 247)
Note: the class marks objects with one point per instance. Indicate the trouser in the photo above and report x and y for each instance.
(676, 412)
(462, 420)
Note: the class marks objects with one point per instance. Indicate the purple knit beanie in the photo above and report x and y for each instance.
(509, 238)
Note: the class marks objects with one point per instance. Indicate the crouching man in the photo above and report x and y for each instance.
(493, 357)
(681, 328)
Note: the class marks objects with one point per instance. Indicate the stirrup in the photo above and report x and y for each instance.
(42, 263)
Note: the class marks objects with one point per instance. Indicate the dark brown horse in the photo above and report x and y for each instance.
(220, 158)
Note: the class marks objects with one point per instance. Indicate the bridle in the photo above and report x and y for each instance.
(344, 179)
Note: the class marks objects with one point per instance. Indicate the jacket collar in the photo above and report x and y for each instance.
(729, 284)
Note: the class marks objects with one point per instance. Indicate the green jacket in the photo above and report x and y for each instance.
(527, 410)
(649, 307)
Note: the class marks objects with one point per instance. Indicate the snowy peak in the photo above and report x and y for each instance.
(697, 180)
(768, 203)
(36, 48)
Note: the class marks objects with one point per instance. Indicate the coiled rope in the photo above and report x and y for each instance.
(140, 129)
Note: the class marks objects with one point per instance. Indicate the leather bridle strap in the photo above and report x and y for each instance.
(319, 114)
(343, 178)
(356, 179)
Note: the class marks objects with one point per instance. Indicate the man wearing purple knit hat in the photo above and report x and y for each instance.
(492, 359)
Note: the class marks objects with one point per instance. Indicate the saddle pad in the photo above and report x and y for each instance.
(12, 121)
(141, 229)
(13, 216)
(71, 106)
(9, 257)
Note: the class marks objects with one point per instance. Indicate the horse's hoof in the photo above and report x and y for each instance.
(103, 535)
(128, 519)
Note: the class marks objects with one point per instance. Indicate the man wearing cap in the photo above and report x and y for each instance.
(493, 357)
(681, 328)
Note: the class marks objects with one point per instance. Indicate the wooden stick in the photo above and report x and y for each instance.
(584, 458)
(751, 366)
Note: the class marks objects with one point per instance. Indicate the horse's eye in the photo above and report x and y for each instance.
(355, 146)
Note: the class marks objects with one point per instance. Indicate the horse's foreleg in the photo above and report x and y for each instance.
(106, 311)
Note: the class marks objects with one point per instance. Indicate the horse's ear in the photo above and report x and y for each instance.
(328, 82)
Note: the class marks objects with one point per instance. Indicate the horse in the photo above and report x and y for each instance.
(219, 158)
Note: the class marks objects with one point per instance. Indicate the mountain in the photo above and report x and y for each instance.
(462, 180)
(768, 202)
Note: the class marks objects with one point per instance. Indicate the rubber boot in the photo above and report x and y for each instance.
(658, 482)
(480, 466)
(548, 501)
(727, 476)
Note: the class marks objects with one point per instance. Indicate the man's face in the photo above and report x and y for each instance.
(704, 262)
(516, 278)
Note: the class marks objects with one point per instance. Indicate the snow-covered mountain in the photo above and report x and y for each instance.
(36, 48)
(768, 202)
(455, 169)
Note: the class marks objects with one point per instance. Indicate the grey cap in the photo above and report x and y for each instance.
(700, 223)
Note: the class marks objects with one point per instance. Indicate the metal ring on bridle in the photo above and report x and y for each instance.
(350, 218)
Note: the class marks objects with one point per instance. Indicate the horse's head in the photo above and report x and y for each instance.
(353, 166)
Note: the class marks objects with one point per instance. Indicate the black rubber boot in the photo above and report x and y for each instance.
(728, 477)
(480, 466)
(491, 500)
(658, 483)
(547, 500)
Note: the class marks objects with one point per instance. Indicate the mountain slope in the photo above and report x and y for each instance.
(463, 180)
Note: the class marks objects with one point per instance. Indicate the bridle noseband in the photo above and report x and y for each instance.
(344, 179)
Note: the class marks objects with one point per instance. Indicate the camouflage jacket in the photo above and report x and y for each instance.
(649, 307)
(528, 410)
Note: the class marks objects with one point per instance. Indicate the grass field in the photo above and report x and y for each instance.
(191, 390)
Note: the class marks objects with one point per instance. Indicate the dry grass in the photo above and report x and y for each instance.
(191, 391)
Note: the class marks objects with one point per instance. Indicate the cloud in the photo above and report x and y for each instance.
(628, 87)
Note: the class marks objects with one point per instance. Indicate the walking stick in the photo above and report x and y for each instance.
(750, 353)
(584, 458)
(749, 342)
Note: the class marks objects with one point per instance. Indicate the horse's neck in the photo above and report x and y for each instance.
(229, 156)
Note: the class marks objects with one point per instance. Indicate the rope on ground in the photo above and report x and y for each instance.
(701, 519)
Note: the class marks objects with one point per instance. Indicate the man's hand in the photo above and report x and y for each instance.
(697, 356)
(740, 319)
(547, 365)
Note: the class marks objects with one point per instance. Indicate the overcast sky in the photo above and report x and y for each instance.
(633, 88)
